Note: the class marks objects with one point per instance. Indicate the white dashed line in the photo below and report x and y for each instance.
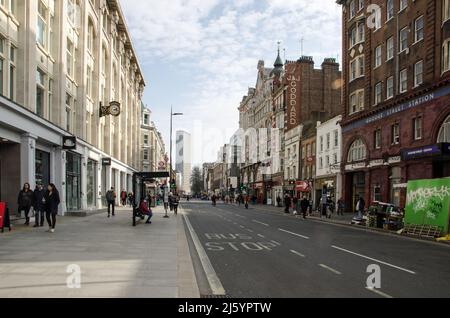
(261, 236)
(299, 235)
(242, 227)
(251, 231)
(378, 292)
(260, 223)
(330, 269)
(297, 253)
(373, 259)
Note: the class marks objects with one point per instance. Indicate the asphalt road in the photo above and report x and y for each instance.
(261, 253)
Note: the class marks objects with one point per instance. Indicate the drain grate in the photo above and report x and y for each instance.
(214, 296)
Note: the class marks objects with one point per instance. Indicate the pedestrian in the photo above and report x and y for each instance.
(341, 207)
(123, 197)
(39, 205)
(330, 208)
(304, 206)
(360, 207)
(247, 201)
(287, 203)
(52, 201)
(110, 199)
(145, 210)
(25, 201)
(324, 206)
(171, 202)
(278, 201)
(295, 203)
(176, 202)
(213, 199)
(131, 199)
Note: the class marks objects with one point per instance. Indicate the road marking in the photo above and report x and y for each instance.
(242, 227)
(275, 242)
(243, 217)
(299, 235)
(375, 260)
(378, 292)
(297, 253)
(251, 231)
(211, 275)
(260, 223)
(261, 236)
(330, 269)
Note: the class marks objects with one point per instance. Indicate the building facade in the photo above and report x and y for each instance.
(61, 60)
(396, 97)
(153, 153)
(312, 95)
(184, 160)
(328, 178)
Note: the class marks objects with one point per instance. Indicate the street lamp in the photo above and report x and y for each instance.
(171, 131)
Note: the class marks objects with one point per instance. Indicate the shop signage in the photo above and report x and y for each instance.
(302, 186)
(398, 109)
(360, 165)
(376, 163)
(396, 159)
(400, 186)
(106, 161)
(69, 143)
(112, 109)
(432, 150)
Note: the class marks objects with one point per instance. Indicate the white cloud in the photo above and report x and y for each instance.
(220, 42)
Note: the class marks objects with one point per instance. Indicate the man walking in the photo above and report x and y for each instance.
(111, 198)
(304, 205)
(341, 207)
(39, 205)
(360, 207)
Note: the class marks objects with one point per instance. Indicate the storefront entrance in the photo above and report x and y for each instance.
(73, 181)
(91, 183)
(42, 167)
(358, 188)
(9, 173)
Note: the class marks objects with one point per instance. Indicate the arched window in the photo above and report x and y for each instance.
(444, 133)
(357, 152)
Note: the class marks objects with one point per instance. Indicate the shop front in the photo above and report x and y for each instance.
(327, 186)
(73, 181)
(277, 189)
(91, 183)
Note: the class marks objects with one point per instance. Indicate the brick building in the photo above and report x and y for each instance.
(312, 95)
(396, 116)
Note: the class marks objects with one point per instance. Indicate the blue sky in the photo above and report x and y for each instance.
(201, 55)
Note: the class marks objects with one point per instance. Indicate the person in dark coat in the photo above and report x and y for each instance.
(111, 200)
(39, 205)
(287, 203)
(52, 202)
(25, 201)
(123, 198)
(304, 205)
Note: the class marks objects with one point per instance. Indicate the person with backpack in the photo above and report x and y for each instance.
(25, 201)
(111, 200)
(39, 205)
(52, 201)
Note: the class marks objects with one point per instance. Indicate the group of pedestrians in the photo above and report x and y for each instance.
(45, 203)
(126, 198)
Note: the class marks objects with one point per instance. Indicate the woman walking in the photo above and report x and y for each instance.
(52, 202)
(25, 201)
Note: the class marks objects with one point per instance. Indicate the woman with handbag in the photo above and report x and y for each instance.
(52, 202)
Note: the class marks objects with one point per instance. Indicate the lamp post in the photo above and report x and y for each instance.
(171, 132)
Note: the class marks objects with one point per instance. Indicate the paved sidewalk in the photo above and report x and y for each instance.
(116, 260)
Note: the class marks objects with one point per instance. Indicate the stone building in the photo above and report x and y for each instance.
(396, 114)
(59, 61)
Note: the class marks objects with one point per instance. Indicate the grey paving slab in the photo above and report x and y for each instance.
(116, 259)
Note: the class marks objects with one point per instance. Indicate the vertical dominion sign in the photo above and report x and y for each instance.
(428, 203)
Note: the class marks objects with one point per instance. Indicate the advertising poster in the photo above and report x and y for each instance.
(428, 203)
(2, 214)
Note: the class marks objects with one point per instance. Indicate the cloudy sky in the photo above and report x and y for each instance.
(201, 55)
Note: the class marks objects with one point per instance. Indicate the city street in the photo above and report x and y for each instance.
(263, 253)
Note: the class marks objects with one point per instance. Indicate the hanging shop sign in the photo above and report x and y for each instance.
(302, 186)
(69, 143)
(106, 161)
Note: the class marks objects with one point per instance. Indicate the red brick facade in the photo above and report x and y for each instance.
(381, 175)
